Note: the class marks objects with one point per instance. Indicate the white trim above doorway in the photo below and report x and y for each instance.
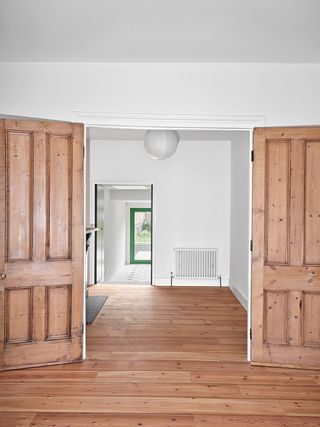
(168, 121)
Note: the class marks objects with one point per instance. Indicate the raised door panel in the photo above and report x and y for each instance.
(19, 175)
(18, 315)
(311, 319)
(59, 152)
(277, 185)
(276, 317)
(312, 203)
(58, 312)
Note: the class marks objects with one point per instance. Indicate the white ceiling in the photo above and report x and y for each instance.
(160, 30)
(106, 134)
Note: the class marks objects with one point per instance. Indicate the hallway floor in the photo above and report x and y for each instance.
(132, 274)
(162, 357)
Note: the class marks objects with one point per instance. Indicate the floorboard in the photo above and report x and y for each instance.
(162, 357)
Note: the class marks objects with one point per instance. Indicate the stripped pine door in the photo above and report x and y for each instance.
(41, 243)
(286, 247)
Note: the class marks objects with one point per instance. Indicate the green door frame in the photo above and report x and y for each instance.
(132, 236)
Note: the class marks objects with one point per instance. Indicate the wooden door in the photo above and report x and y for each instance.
(286, 247)
(41, 243)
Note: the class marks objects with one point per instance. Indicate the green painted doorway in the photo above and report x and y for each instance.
(140, 235)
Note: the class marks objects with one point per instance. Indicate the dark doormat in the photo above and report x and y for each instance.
(93, 305)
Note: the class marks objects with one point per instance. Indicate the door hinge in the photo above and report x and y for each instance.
(252, 155)
(82, 329)
(84, 151)
(250, 334)
(251, 245)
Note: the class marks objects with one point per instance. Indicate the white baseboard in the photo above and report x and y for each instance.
(190, 282)
(240, 297)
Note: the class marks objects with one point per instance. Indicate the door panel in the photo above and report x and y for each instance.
(312, 201)
(18, 314)
(276, 308)
(41, 242)
(58, 312)
(277, 173)
(311, 324)
(286, 247)
(19, 164)
(59, 164)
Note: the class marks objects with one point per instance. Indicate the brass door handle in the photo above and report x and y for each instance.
(3, 276)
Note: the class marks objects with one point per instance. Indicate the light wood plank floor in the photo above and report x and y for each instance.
(162, 357)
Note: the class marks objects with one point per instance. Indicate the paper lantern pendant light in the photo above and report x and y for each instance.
(161, 144)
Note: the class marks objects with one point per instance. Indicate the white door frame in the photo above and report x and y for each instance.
(168, 121)
(183, 122)
(92, 204)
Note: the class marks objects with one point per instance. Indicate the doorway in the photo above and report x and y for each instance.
(123, 237)
(140, 235)
(202, 200)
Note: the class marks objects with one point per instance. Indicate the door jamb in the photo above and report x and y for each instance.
(183, 122)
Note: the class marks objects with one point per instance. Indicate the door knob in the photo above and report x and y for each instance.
(3, 276)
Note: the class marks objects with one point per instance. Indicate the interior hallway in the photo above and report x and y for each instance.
(162, 357)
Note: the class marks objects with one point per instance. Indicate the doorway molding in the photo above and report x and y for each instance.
(183, 122)
(169, 121)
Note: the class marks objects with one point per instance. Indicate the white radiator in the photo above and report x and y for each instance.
(195, 263)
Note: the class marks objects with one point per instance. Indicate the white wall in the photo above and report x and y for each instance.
(114, 235)
(286, 94)
(240, 216)
(191, 194)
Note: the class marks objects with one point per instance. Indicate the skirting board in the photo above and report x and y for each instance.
(240, 297)
(189, 282)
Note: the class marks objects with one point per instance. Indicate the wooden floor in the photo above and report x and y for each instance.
(162, 357)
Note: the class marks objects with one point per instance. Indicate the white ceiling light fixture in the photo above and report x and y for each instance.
(161, 144)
